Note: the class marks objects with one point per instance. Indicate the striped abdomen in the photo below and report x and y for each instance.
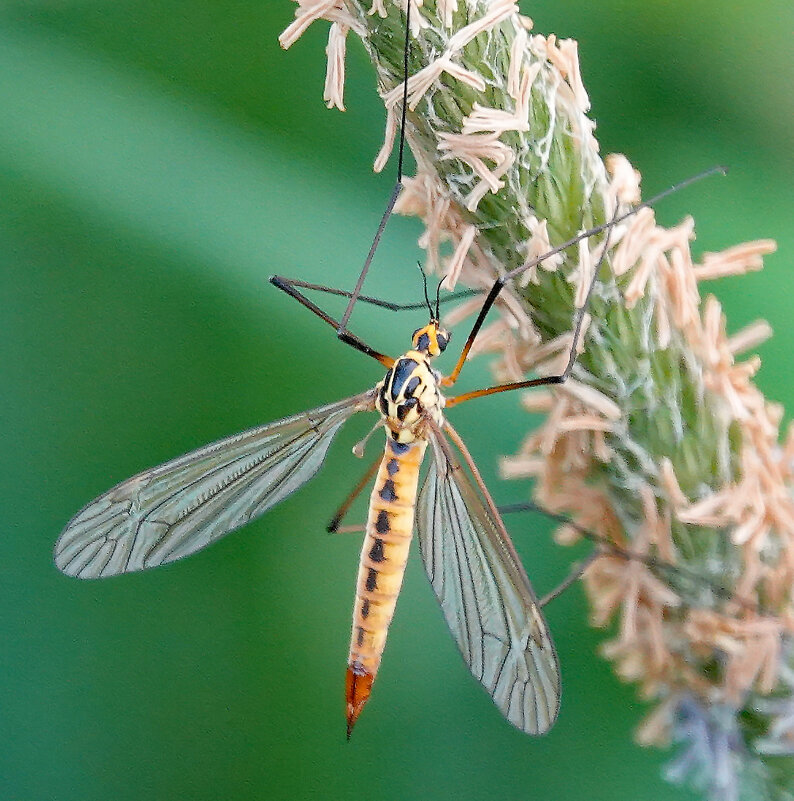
(383, 558)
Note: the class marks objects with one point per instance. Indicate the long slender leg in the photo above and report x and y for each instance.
(553, 379)
(291, 287)
(336, 520)
(606, 547)
(502, 280)
(342, 328)
(576, 573)
(348, 338)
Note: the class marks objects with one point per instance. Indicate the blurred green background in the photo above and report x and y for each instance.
(158, 160)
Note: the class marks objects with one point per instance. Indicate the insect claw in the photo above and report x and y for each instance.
(333, 525)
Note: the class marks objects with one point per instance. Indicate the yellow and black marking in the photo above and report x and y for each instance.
(409, 390)
(408, 397)
(384, 555)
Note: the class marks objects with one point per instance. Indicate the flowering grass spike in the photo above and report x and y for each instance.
(660, 440)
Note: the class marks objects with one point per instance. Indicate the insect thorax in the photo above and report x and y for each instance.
(408, 395)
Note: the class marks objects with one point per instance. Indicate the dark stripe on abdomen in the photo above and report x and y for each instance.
(384, 552)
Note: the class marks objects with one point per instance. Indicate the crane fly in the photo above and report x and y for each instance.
(182, 506)
(174, 510)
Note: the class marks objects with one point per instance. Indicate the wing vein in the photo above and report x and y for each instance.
(485, 594)
(182, 506)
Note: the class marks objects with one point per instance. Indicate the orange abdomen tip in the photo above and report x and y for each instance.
(358, 686)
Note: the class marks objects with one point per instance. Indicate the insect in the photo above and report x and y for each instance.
(180, 507)
(175, 509)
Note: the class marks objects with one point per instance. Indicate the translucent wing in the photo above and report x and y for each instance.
(486, 596)
(178, 508)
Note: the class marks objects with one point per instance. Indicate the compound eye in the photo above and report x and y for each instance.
(443, 341)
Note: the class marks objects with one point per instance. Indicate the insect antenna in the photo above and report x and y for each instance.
(427, 299)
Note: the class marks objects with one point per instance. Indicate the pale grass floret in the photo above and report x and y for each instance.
(537, 400)
(682, 297)
(671, 485)
(475, 151)
(334, 91)
(483, 119)
(462, 311)
(657, 242)
(309, 11)
(564, 55)
(446, 8)
(498, 12)
(582, 275)
(536, 246)
(420, 82)
(752, 647)
(625, 184)
(443, 221)
(514, 72)
(547, 358)
(664, 330)
(586, 422)
(737, 260)
(392, 123)
(592, 398)
(455, 265)
(631, 243)
(751, 336)
(378, 8)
